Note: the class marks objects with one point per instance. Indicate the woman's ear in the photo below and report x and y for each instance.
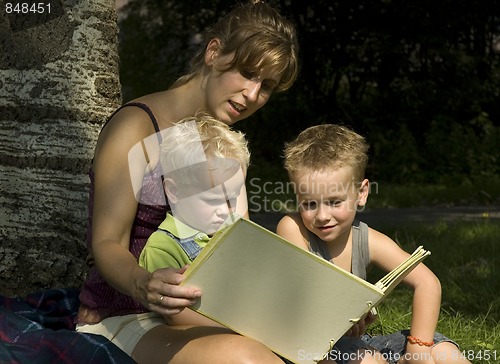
(171, 190)
(212, 51)
(363, 192)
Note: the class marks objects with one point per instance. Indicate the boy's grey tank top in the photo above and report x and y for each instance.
(360, 252)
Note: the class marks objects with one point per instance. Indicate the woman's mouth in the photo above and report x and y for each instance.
(237, 107)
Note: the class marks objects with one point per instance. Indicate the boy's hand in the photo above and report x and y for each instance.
(359, 329)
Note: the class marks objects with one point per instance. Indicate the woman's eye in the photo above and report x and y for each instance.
(268, 86)
(248, 74)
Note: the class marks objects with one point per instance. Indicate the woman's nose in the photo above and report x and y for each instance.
(252, 89)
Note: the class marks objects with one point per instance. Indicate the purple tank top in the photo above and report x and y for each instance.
(98, 299)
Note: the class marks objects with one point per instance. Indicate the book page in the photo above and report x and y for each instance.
(262, 286)
(394, 277)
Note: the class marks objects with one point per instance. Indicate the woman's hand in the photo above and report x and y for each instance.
(162, 293)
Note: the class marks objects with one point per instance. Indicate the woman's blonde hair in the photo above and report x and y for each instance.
(258, 36)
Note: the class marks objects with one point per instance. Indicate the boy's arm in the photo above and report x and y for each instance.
(290, 228)
(386, 254)
(425, 311)
(159, 253)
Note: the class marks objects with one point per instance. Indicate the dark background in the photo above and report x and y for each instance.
(419, 79)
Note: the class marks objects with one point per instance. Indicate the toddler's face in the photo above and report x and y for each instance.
(208, 209)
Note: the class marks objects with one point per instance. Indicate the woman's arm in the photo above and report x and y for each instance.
(114, 211)
(242, 203)
(190, 318)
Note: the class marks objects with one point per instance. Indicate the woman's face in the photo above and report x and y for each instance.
(236, 94)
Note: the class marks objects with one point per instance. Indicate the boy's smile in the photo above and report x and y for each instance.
(328, 201)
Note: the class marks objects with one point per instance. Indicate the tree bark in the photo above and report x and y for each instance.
(59, 82)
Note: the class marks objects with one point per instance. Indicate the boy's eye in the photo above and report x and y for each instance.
(308, 205)
(335, 202)
(215, 202)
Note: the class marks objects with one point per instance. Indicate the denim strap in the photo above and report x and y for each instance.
(190, 247)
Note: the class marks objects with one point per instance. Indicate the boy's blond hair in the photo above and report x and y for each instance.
(324, 147)
(199, 144)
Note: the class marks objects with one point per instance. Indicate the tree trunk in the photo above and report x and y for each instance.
(59, 82)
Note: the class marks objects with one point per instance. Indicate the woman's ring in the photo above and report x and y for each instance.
(161, 299)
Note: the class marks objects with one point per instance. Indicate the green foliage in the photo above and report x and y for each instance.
(157, 40)
(481, 191)
(449, 152)
(456, 150)
(419, 79)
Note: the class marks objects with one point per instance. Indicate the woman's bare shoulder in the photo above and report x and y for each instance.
(128, 126)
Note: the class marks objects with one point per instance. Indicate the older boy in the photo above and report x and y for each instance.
(326, 164)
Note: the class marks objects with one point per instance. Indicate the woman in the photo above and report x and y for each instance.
(248, 54)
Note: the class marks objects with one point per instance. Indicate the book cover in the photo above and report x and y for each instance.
(264, 287)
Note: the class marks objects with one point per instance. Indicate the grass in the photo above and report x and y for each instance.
(465, 257)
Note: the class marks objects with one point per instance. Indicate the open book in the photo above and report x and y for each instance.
(264, 287)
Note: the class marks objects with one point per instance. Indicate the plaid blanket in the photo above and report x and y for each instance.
(40, 329)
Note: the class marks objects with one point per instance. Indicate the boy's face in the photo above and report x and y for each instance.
(328, 201)
(208, 209)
